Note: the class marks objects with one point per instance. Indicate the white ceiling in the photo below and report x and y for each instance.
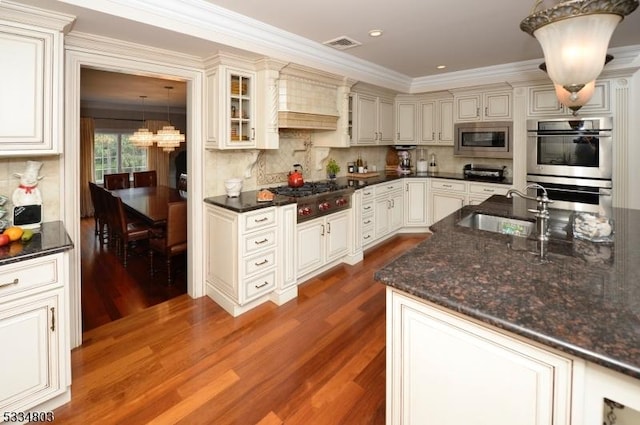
(418, 34)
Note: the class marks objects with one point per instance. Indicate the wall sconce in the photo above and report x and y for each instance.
(573, 34)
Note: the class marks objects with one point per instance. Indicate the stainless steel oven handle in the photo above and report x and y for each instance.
(601, 192)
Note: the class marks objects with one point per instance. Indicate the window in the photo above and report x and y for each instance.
(113, 153)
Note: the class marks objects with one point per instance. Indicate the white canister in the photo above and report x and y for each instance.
(422, 166)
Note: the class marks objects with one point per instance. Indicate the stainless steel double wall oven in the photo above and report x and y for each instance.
(572, 158)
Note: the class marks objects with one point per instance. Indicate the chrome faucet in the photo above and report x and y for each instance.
(541, 212)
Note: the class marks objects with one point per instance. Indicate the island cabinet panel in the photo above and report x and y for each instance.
(445, 369)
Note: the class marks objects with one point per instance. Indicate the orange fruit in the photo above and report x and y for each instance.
(13, 232)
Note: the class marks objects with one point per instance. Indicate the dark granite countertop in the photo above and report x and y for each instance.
(585, 301)
(247, 201)
(51, 238)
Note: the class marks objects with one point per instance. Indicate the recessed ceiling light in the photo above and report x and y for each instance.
(375, 33)
(441, 66)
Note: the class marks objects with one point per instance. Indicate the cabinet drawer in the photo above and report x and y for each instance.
(449, 185)
(367, 220)
(367, 208)
(258, 219)
(385, 188)
(368, 193)
(260, 285)
(259, 240)
(29, 274)
(368, 234)
(260, 262)
(487, 189)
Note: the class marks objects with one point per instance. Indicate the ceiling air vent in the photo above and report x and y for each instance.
(342, 43)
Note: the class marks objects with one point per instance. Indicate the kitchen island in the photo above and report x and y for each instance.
(581, 307)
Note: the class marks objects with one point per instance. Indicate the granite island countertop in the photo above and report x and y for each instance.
(584, 301)
(51, 238)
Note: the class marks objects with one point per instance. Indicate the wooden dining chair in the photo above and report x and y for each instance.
(116, 181)
(182, 185)
(122, 230)
(145, 178)
(173, 240)
(99, 211)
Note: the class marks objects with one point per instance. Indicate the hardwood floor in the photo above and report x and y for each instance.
(110, 291)
(319, 359)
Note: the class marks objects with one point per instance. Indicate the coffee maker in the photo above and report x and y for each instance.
(404, 165)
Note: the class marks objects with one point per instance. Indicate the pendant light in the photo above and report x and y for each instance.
(168, 138)
(574, 34)
(142, 137)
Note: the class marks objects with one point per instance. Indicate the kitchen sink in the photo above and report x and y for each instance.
(497, 224)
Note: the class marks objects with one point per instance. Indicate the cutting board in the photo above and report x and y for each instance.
(363, 175)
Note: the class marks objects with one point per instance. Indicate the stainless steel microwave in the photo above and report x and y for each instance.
(488, 139)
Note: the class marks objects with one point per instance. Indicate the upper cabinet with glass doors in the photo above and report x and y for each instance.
(241, 103)
(31, 47)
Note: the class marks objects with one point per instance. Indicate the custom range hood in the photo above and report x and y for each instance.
(308, 99)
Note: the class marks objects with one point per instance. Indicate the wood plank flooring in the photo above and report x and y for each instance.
(110, 291)
(319, 359)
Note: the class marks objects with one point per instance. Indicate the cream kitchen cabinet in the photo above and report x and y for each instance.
(322, 241)
(242, 257)
(483, 105)
(367, 215)
(542, 101)
(388, 208)
(424, 121)
(447, 195)
(241, 103)
(447, 369)
(35, 364)
(415, 211)
(406, 121)
(31, 105)
(436, 121)
(373, 119)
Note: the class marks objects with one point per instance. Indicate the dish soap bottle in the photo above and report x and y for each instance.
(433, 167)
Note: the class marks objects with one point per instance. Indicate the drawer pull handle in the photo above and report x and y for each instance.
(389, 187)
(262, 263)
(53, 319)
(14, 282)
(367, 208)
(260, 220)
(367, 222)
(265, 240)
(367, 193)
(262, 285)
(489, 190)
(446, 185)
(367, 237)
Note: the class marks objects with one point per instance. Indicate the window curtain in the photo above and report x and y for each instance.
(87, 129)
(158, 159)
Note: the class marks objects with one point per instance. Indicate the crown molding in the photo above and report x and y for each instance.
(94, 43)
(199, 18)
(10, 11)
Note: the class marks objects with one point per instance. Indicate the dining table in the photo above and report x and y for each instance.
(149, 203)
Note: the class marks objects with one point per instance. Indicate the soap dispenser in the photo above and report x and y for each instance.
(433, 167)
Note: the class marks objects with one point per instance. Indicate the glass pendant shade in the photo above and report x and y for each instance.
(142, 138)
(168, 138)
(574, 35)
(572, 47)
(577, 100)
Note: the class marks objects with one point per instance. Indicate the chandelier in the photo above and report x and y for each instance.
(574, 35)
(168, 138)
(142, 137)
